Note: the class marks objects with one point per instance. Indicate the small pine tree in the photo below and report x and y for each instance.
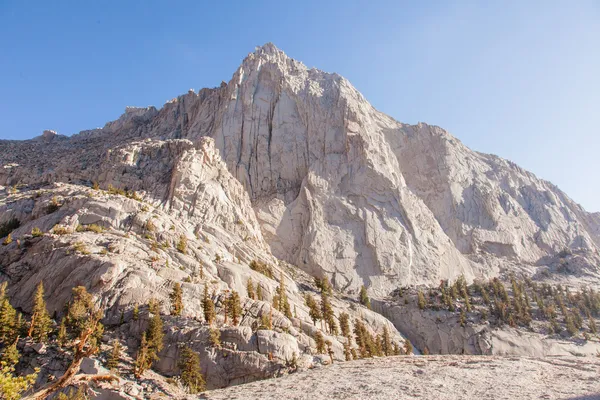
(259, 293)
(465, 295)
(136, 312)
(8, 316)
(250, 289)
(12, 386)
(408, 347)
(143, 360)
(462, 318)
(208, 307)
(10, 355)
(386, 342)
(62, 333)
(214, 337)
(396, 349)
(364, 297)
(115, 356)
(571, 328)
(320, 342)
(345, 324)
(313, 309)
(41, 324)
(154, 333)
(182, 244)
(189, 366)
(421, 300)
(347, 350)
(176, 300)
(591, 323)
(327, 313)
(235, 308)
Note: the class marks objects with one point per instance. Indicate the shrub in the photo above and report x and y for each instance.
(80, 247)
(261, 267)
(37, 232)
(53, 206)
(182, 244)
(114, 190)
(8, 240)
(364, 297)
(150, 227)
(90, 228)
(60, 230)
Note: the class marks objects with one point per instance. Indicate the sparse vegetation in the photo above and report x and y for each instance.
(261, 267)
(182, 244)
(36, 232)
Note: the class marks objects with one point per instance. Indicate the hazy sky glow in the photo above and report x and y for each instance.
(519, 79)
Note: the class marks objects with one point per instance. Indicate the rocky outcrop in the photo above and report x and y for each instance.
(337, 188)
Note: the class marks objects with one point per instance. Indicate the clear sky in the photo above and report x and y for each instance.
(520, 79)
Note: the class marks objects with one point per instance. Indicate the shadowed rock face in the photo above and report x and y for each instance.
(336, 187)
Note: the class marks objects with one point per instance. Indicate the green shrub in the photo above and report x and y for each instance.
(261, 267)
(61, 230)
(53, 206)
(37, 232)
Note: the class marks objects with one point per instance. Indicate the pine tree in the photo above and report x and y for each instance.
(465, 296)
(396, 349)
(280, 300)
(386, 342)
(189, 366)
(154, 333)
(408, 347)
(462, 318)
(235, 307)
(176, 300)
(208, 307)
(11, 385)
(259, 293)
(345, 324)
(591, 323)
(327, 313)
(115, 356)
(136, 313)
(143, 360)
(8, 315)
(62, 333)
(320, 342)
(486, 297)
(421, 300)
(214, 337)
(81, 312)
(10, 355)
(347, 350)
(364, 297)
(313, 309)
(41, 324)
(250, 289)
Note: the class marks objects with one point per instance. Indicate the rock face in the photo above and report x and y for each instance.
(434, 377)
(336, 187)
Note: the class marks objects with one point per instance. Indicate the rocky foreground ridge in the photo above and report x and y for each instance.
(434, 377)
(280, 176)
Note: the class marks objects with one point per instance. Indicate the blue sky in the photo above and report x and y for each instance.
(520, 79)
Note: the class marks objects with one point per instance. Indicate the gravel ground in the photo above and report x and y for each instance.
(433, 377)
